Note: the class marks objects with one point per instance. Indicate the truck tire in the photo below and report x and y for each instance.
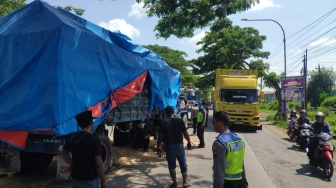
(34, 162)
(107, 151)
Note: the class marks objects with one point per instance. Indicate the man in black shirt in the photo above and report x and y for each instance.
(142, 137)
(86, 165)
(171, 134)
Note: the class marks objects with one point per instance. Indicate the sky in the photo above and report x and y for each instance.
(308, 25)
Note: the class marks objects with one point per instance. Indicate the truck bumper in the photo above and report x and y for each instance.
(245, 123)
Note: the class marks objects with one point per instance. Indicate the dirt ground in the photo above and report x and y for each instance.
(125, 156)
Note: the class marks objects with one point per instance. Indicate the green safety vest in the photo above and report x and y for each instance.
(199, 116)
(235, 149)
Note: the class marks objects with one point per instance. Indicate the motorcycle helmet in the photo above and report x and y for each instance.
(319, 117)
(293, 113)
(303, 112)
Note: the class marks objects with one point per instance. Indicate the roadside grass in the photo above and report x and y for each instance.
(284, 125)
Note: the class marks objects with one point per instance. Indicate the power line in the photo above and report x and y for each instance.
(310, 35)
(323, 43)
(322, 17)
(329, 47)
(329, 51)
(324, 61)
(276, 51)
(306, 44)
(328, 13)
(296, 63)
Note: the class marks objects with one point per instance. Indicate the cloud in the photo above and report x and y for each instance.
(324, 41)
(263, 5)
(122, 26)
(137, 11)
(192, 41)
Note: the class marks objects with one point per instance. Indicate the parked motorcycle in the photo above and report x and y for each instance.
(305, 131)
(292, 128)
(323, 155)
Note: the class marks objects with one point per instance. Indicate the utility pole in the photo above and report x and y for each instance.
(305, 79)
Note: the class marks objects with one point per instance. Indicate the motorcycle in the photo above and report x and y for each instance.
(292, 128)
(305, 131)
(323, 154)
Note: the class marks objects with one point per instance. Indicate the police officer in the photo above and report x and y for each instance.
(200, 125)
(318, 127)
(228, 155)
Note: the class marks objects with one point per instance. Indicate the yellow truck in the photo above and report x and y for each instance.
(236, 93)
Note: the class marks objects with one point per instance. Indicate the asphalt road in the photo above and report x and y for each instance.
(271, 160)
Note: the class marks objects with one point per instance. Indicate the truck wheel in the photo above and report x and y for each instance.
(107, 151)
(34, 162)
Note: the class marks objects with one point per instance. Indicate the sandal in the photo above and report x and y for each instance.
(172, 186)
(188, 185)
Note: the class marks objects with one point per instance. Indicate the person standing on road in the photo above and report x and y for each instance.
(200, 125)
(171, 134)
(194, 111)
(86, 165)
(228, 155)
(206, 106)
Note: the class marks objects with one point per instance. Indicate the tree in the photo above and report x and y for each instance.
(8, 6)
(72, 9)
(262, 69)
(181, 18)
(319, 81)
(272, 80)
(228, 47)
(175, 59)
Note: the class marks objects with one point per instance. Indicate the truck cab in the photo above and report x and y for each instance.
(236, 93)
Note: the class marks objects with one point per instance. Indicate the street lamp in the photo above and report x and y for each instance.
(284, 40)
(284, 37)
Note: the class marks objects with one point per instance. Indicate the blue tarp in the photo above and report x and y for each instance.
(55, 65)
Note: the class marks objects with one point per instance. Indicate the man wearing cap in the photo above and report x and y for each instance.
(171, 133)
(86, 165)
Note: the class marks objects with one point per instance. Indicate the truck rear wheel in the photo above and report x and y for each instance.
(34, 162)
(106, 146)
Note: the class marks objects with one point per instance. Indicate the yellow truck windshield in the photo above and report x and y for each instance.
(239, 95)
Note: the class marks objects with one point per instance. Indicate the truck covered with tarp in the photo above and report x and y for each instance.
(55, 65)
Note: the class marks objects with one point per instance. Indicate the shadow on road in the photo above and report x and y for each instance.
(310, 171)
(296, 148)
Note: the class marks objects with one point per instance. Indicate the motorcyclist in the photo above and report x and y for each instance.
(293, 115)
(318, 127)
(292, 118)
(302, 119)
